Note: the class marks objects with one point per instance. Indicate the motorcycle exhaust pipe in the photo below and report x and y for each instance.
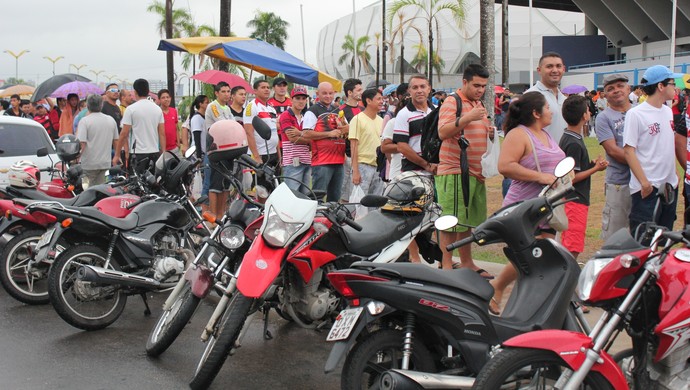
(417, 380)
(89, 273)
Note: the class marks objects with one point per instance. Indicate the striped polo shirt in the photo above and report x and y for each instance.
(290, 150)
(408, 127)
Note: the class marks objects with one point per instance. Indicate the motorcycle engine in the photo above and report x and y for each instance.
(168, 260)
(672, 372)
(311, 302)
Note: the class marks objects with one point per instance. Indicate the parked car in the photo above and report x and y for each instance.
(20, 138)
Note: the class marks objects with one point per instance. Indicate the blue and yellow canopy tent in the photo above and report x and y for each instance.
(254, 54)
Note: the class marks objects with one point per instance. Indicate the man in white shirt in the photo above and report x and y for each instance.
(144, 119)
(551, 69)
(97, 133)
(649, 149)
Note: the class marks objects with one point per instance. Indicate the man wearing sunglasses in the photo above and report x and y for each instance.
(110, 107)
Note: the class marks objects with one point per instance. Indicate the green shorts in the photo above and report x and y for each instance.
(449, 190)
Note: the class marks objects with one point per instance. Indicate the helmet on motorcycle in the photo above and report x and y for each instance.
(409, 192)
(171, 171)
(24, 174)
(68, 147)
(226, 141)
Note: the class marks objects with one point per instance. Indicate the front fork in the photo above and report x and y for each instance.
(221, 306)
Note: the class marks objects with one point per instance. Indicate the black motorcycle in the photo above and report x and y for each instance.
(111, 258)
(434, 325)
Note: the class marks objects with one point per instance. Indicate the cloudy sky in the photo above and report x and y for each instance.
(120, 37)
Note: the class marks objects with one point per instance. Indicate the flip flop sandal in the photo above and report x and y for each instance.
(488, 276)
(491, 310)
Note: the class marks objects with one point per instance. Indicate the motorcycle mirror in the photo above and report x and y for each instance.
(446, 222)
(564, 167)
(190, 152)
(373, 201)
(42, 152)
(262, 128)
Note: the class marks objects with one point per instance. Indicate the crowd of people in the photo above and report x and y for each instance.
(367, 139)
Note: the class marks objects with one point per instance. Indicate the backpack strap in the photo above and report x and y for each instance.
(458, 109)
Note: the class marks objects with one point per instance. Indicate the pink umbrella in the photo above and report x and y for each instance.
(216, 76)
(81, 88)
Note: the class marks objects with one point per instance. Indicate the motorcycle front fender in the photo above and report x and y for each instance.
(569, 346)
(260, 267)
(200, 279)
(342, 347)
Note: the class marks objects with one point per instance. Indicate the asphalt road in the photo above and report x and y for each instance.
(38, 350)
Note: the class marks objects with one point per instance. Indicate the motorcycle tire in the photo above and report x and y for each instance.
(222, 341)
(171, 322)
(31, 289)
(520, 368)
(360, 372)
(71, 298)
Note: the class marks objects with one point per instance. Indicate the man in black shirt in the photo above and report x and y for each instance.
(110, 107)
(352, 88)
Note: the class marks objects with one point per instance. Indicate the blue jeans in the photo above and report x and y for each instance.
(328, 178)
(207, 177)
(302, 173)
(642, 210)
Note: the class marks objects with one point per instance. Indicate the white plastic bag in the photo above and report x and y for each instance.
(490, 157)
(197, 183)
(355, 196)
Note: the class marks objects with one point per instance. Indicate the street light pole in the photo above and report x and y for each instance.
(16, 61)
(54, 60)
(96, 72)
(78, 68)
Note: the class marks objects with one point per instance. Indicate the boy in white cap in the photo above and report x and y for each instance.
(649, 144)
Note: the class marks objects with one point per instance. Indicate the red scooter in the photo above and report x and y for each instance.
(644, 291)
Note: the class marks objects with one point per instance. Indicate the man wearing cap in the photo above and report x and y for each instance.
(296, 154)
(551, 69)
(43, 118)
(280, 102)
(609, 128)
(649, 142)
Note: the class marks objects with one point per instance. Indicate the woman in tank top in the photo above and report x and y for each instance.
(524, 127)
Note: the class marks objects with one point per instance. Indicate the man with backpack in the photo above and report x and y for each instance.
(463, 130)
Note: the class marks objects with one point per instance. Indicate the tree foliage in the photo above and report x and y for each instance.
(270, 28)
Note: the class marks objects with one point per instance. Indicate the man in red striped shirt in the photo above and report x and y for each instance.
(296, 152)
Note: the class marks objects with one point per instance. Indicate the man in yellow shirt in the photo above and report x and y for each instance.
(365, 137)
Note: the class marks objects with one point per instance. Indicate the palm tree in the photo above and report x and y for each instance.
(421, 59)
(351, 53)
(270, 28)
(430, 13)
(225, 19)
(181, 19)
(403, 24)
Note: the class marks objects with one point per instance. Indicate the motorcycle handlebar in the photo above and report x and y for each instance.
(460, 243)
(250, 161)
(351, 223)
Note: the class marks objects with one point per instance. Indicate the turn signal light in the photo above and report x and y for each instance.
(70, 187)
(8, 214)
(209, 216)
(628, 261)
(66, 222)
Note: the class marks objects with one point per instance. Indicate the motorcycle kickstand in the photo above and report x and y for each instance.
(147, 311)
(267, 333)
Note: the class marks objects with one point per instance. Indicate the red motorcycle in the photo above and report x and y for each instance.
(644, 291)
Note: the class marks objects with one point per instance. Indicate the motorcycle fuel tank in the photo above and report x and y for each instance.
(162, 211)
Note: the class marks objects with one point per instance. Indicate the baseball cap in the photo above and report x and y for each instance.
(610, 78)
(298, 90)
(657, 74)
(279, 80)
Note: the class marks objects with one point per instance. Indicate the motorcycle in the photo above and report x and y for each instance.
(300, 241)
(642, 291)
(410, 326)
(111, 258)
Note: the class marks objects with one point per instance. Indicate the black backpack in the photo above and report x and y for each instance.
(431, 142)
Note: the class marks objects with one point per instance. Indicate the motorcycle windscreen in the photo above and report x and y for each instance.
(260, 266)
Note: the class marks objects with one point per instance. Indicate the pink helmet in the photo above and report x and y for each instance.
(24, 174)
(226, 141)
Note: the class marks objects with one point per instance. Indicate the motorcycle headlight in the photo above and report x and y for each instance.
(278, 232)
(232, 237)
(589, 276)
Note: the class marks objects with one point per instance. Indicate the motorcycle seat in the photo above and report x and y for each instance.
(378, 231)
(459, 279)
(26, 202)
(31, 194)
(127, 223)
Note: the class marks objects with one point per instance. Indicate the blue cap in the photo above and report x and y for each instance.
(659, 73)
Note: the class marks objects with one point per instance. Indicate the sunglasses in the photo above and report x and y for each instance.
(114, 90)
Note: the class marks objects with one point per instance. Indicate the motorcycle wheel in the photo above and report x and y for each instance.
(30, 288)
(221, 342)
(376, 353)
(529, 369)
(171, 322)
(84, 305)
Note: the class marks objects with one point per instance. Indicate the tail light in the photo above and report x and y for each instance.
(340, 280)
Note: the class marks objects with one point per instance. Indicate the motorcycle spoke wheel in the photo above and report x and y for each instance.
(84, 305)
(28, 283)
(171, 322)
(378, 352)
(530, 369)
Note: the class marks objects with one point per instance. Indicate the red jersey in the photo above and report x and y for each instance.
(329, 151)
(279, 106)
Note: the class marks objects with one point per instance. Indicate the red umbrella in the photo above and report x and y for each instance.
(216, 76)
(499, 89)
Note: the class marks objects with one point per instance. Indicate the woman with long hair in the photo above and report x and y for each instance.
(526, 139)
(197, 121)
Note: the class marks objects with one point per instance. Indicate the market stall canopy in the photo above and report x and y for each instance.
(50, 85)
(254, 54)
(21, 90)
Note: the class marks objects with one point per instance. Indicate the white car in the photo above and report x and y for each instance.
(20, 138)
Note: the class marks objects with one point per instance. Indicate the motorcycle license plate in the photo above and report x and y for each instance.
(344, 324)
(45, 238)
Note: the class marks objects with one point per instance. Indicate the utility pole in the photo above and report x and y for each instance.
(505, 47)
(21, 53)
(54, 60)
(170, 65)
(383, 39)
